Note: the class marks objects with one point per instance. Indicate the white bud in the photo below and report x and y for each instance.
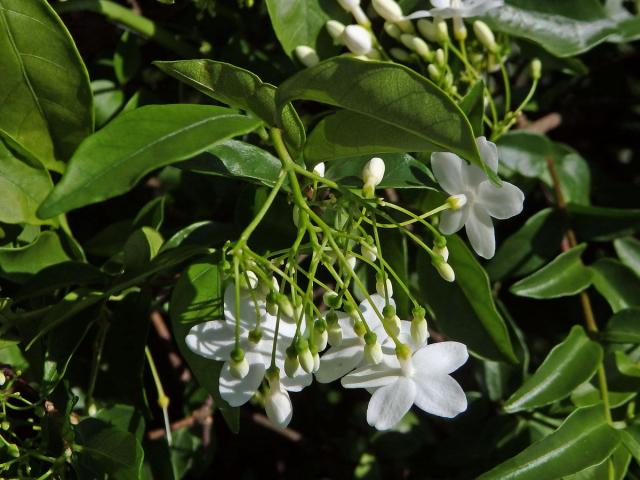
(239, 369)
(277, 404)
(361, 17)
(307, 55)
(319, 169)
(285, 304)
(392, 30)
(407, 40)
(406, 26)
(373, 353)
(370, 252)
(400, 54)
(485, 36)
(445, 271)
(316, 362)
(291, 364)
(351, 261)
(349, 5)
(434, 72)
(92, 410)
(357, 39)
(440, 57)
(320, 340)
(335, 335)
(421, 48)
(442, 251)
(389, 10)
(250, 280)
(305, 358)
(372, 175)
(3, 378)
(380, 286)
(442, 31)
(335, 29)
(419, 331)
(457, 201)
(428, 30)
(459, 29)
(394, 325)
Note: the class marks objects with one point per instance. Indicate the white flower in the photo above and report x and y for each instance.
(484, 199)
(423, 380)
(457, 8)
(216, 339)
(372, 175)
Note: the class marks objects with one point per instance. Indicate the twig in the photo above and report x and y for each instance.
(542, 125)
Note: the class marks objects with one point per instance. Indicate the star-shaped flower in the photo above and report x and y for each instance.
(457, 8)
(483, 198)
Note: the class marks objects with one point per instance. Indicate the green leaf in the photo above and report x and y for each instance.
(584, 439)
(196, 298)
(465, 310)
(207, 233)
(18, 264)
(620, 460)
(303, 23)
(44, 86)
(401, 171)
(136, 143)
(388, 94)
(569, 364)
(236, 159)
(107, 451)
(531, 247)
(108, 99)
(566, 275)
(631, 440)
(617, 283)
(239, 88)
(141, 247)
(628, 249)
(626, 366)
(22, 189)
(473, 107)
(603, 224)
(623, 327)
(564, 28)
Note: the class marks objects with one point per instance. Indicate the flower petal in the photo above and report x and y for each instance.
(390, 403)
(501, 202)
(439, 395)
(452, 220)
(214, 339)
(340, 360)
(440, 358)
(488, 152)
(419, 14)
(447, 170)
(248, 316)
(236, 391)
(480, 232)
(278, 407)
(370, 314)
(300, 380)
(371, 376)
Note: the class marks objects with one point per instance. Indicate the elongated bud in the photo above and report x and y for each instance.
(285, 304)
(457, 201)
(419, 330)
(307, 55)
(439, 57)
(335, 30)
(373, 351)
(357, 39)
(319, 169)
(383, 282)
(392, 30)
(277, 403)
(352, 311)
(422, 49)
(334, 335)
(388, 311)
(485, 36)
(349, 5)
(361, 17)
(372, 175)
(459, 29)
(442, 251)
(316, 362)
(238, 365)
(320, 335)
(304, 355)
(442, 31)
(368, 251)
(445, 270)
(400, 54)
(536, 69)
(428, 30)
(389, 10)
(393, 324)
(351, 261)
(434, 72)
(291, 362)
(3, 378)
(403, 352)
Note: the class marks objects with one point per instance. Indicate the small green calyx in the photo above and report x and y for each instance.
(301, 345)
(418, 313)
(403, 351)
(237, 355)
(332, 317)
(359, 328)
(255, 335)
(320, 325)
(370, 338)
(388, 311)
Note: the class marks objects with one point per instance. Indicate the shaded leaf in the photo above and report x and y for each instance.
(617, 283)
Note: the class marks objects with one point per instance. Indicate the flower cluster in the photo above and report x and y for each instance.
(275, 335)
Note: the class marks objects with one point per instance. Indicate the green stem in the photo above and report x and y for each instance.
(163, 399)
(126, 17)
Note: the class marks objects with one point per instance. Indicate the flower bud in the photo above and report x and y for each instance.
(291, 362)
(307, 55)
(388, 311)
(419, 330)
(349, 5)
(373, 55)
(368, 251)
(352, 311)
(406, 26)
(3, 378)
(536, 69)
(351, 261)
(249, 281)
(459, 29)
(357, 39)
(393, 324)
(319, 169)
(334, 335)
(255, 335)
(485, 36)
(277, 403)
(442, 31)
(320, 335)
(272, 303)
(434, 72)
(392, 30)
(335, 29)
(457, 201)
(332, 299)
(304, 355)
(403, 352)
(445, 270)
(316, 361)
(439, 58)
(428, 30)
(389, 10)
(372, 175)
(361, 17)
(285, 304)
(400, 54)
(238, 365)
(332, 318)
(442, 251)
(421, 48)
(383, 283)
(373, 353)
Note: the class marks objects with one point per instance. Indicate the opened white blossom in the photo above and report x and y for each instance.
(422, 379)
(216, 340)
(457, 8)
(484, 199)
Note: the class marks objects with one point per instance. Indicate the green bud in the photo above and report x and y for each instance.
(388, 311)
(536, 69)
(320, 325)
(332, 299)
(442, 31)
(332, 317)
(5, 425)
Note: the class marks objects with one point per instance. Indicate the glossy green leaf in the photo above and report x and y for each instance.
(569, 364)
(238, 88)
(211, 234)
(617, 283)
(473, 107)
(620, 459)
(603, 224)
(465, 310)
(22, 188)
(566, 275)
(533, 246)
(563, 28)
(623, 327)
(141, 247)
(626, 366)
(631, 440)
(583, 440)
(18, 264)
(136, 143)
(62, 275)
(44, 86)
(628, 250)
(303, 23)
(387, 93)
(108, 99)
